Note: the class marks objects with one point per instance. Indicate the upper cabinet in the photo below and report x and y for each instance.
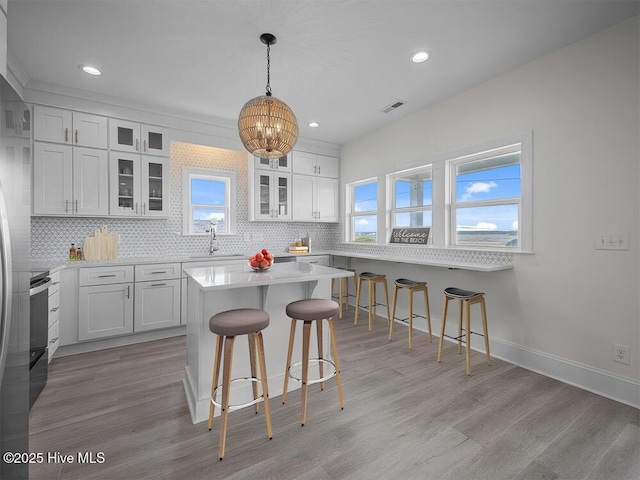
(16, 120)
(313, 164)
(282, 164)
(133, 137)
(71, 128)
(139, 185)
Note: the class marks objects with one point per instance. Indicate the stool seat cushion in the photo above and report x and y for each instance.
(241, 321)
(312, 309)
(405, 282)
(453, 292)
(370, 275)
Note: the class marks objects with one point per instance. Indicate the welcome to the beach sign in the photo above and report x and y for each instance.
(413, 236)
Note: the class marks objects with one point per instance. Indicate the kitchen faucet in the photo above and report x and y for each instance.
(212, 237)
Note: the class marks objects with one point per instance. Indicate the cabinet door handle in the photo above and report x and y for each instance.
(158, 284)
(318, 214)
(76, 205)
(54, 309)
(136, 208)
(144, 144)
(66, 135)
(54, 340)
(128, 291)
(76, 136)
(66, 206)
(106, 276)
(54, 283)
(144, 208)
(137, 145)
(318, 169)
(164, 271)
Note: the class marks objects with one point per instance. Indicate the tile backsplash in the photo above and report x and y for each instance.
(52, 236)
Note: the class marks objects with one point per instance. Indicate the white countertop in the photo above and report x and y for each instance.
(237, 276)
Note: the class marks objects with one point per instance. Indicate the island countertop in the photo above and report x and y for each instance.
(236, 276)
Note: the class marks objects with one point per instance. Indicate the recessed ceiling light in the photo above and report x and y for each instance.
(314, 124)
(420, 56)
(88, 69)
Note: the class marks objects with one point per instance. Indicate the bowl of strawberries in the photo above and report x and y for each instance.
(261, 261)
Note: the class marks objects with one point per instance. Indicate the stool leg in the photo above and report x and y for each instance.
(372, 302)
(320, 351)
(467, 307)
(254, 370)
(485, 330)
(226, 386)
(263, 382)
(340, 287)
(460, 308)
(358, 290)
(306, 337)
(427, 311)
(292, 333)
(336, 362)
(215, 376)
(444, 322)
(386, 297)
(410, 293)
(393, 311)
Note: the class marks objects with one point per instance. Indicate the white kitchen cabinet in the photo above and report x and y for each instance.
(71, 128)
(324, 260)
(69, 180)
(54, 314)
(134, 137)
(105, 302)
(15, 120)
(157, 304)
(315, 199)
(306, 163)
(139, 185)
(282, 164)
(269, 195)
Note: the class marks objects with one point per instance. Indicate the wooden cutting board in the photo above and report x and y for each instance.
(102, 245)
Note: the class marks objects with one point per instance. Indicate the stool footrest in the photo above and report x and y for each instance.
(238, 405)
(406, 320)
(462, 337)
(314, 361)
(366, 307)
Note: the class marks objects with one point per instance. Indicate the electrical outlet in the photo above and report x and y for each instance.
(621, 354)
(612, 241)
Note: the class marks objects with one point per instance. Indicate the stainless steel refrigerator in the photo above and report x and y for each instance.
(15, 246)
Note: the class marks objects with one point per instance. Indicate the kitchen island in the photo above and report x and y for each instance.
(211, 290)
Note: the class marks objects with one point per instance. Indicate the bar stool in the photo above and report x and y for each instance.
(313, 309)
(465, 298)
(227, 325)
(412, 286)
(374, 279)
(344, 284)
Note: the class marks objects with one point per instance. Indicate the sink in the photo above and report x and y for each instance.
(217, 257)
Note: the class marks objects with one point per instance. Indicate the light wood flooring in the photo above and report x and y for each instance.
(405, 417)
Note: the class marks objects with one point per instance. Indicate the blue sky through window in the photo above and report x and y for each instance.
(491, 184)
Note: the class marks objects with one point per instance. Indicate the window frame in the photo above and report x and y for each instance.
(520, 143)
(228, 177)
(392, 210)
(351, 214)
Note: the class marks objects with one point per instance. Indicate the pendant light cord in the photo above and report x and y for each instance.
(268, 70)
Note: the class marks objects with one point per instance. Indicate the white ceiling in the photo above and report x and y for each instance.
(338, 62)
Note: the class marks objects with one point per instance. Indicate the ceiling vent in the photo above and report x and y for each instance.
(392, 107)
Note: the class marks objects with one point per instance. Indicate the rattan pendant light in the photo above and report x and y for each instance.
(268, 128)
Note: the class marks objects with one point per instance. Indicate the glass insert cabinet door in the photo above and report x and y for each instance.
(155, 183)
(134, 137)
(282, 164)
(272, 196)
(128, 185)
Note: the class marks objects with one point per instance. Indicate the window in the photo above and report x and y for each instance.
(208, 197)
(363, 211)
(411, 196)
(486, 192)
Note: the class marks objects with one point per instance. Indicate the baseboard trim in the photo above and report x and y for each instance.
(94, 345)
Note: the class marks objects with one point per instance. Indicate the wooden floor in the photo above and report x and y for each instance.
(405, 417)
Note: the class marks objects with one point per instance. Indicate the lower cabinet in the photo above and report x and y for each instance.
(105, 310)
(157, 305)
(54, 314)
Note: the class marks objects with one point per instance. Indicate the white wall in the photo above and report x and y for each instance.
(566, 303)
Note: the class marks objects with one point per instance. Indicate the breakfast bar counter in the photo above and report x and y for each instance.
(211, 290)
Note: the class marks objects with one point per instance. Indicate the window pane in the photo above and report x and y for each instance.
(492, 226)
(202, 217)
(208, 192)
(365, 197)
(413, 219)
(365, 228)
(488, 183)
(413, 190)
